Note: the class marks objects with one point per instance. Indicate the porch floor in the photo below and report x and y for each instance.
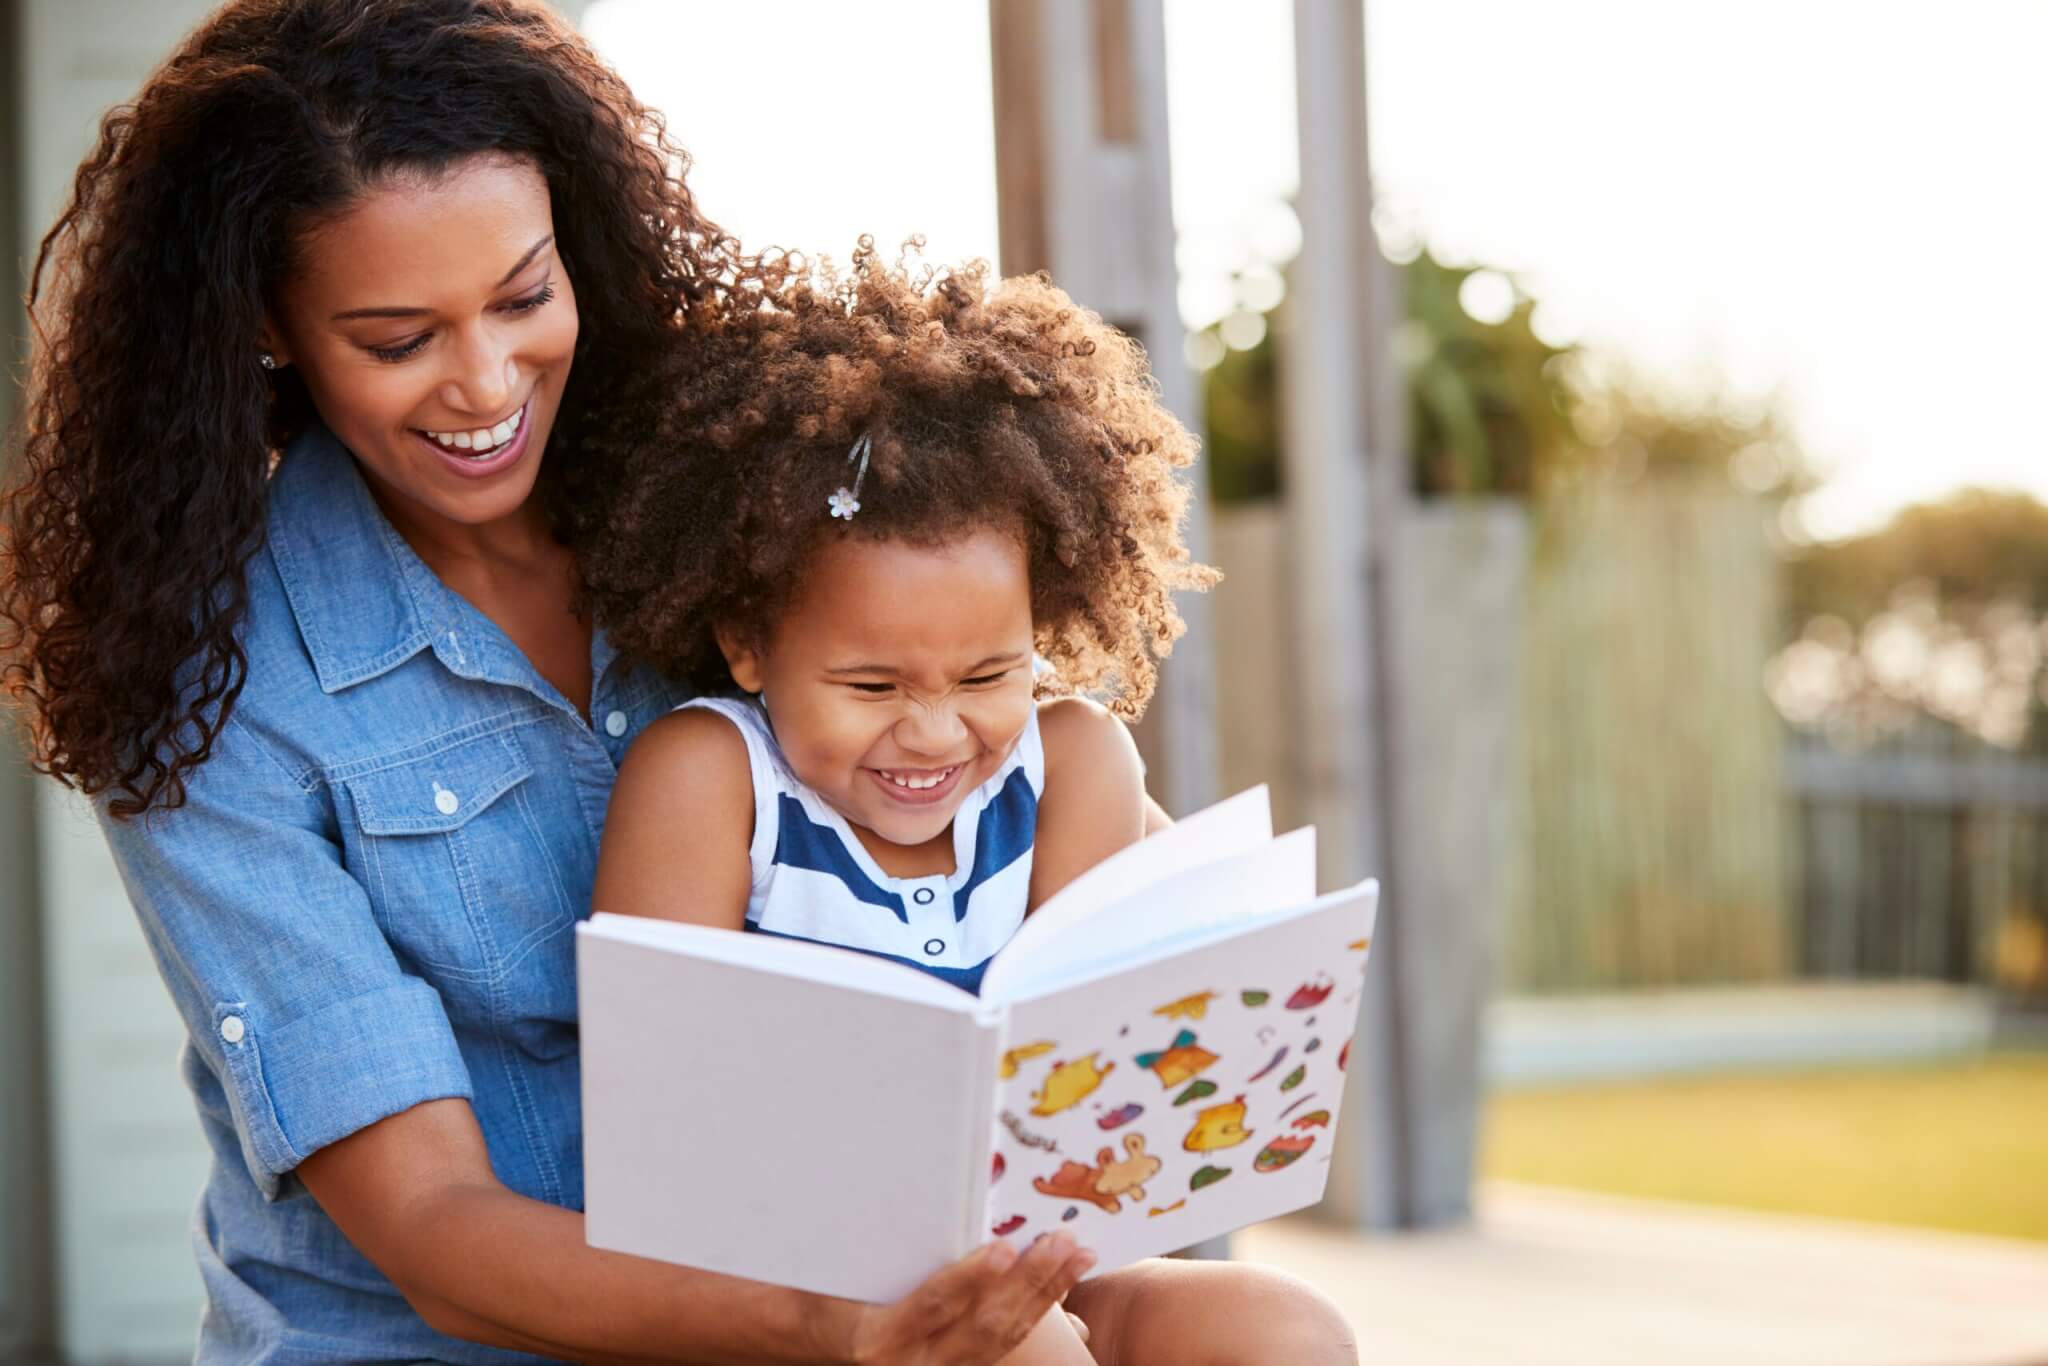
(1543, 1276)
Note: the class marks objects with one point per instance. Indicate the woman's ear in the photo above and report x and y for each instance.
(742, 660)
(270, 342)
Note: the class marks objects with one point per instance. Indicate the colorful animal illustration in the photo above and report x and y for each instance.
(1219, 1126)
(1192, 1007)
(1128, 1175)
(1123, 1114)
(1254, 998)
(1196, 1090)
(1074, 1181)
(1015, 1056)
(1207, 1176)
(1309, 995)
(1293, 1078)
(1067, 1083)
(1282, 1151)
(1178, 1061)
(1008, 1226)
(1314, 1119)
(1156, 1211)
(1277, 1057)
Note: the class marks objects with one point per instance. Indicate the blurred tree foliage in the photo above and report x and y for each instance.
(1940, 616)
(1494, 409)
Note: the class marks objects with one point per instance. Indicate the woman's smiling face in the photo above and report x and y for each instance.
(434, 326)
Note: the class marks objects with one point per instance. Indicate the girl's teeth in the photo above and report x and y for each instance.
(920, 784)
(483, 438)
(461, 441)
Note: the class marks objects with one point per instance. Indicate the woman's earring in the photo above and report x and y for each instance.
(266, 360)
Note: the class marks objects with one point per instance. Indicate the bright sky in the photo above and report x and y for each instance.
(1840, 200)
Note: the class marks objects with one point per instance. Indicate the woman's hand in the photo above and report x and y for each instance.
(973, 1312)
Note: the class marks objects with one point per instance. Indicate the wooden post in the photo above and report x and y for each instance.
(1340, 405)
(1083, 190)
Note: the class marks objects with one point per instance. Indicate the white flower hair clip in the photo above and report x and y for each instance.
(846, 501)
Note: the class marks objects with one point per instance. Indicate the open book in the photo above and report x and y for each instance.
(1156, 1057)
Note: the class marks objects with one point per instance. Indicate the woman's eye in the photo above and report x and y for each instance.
(533, 300)
(401, 351)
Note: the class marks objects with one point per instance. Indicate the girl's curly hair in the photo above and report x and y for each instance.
(149, 429)
(1007, 406)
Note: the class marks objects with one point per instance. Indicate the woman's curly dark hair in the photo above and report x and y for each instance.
(149, 429)
(1007, 406)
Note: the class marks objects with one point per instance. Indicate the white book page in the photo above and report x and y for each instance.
(1270, 877)
(1233, 826)
(1161, 1106)
(796, 1127)
(817, 962)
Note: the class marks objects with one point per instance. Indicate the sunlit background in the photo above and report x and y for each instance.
(1714, 619)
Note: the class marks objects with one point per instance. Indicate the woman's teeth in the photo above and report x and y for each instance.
(483, 440)
(917, 782)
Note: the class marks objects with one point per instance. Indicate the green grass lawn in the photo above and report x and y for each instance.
(1954, 1145)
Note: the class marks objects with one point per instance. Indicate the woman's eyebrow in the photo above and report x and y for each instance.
(394, 311)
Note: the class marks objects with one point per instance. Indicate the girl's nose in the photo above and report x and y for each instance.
(936, 731)
(485, 379)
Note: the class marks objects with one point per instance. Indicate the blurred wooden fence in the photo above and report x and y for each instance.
(1927, 858)
(1652, 823)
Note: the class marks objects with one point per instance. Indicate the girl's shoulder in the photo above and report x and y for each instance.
(1082, 735)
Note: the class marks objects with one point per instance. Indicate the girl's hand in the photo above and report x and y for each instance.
(973, 1312)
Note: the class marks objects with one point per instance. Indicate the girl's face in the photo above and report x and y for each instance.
(900, 679)
(434, 326)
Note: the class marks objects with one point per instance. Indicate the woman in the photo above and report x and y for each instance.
(348, 742)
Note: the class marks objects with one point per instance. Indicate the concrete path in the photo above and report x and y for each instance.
(1547, 1277)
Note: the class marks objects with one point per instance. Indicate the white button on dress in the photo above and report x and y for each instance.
(615, 724)
(232, 1029)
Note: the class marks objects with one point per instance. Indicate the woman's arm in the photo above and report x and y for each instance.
(416, 1195)
(1094, 802)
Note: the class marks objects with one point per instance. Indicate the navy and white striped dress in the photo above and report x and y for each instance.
(813, 879)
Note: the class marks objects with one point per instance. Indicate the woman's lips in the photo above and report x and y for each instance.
(478, 467)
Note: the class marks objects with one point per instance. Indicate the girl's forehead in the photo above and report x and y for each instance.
(863, 594)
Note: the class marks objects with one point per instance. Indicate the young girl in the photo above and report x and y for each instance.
(852, 513)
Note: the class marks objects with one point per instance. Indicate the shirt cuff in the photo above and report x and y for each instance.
(299, 1086)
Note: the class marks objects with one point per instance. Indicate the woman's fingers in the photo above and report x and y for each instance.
(1012, 1305)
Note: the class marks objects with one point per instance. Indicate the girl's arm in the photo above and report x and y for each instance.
(1094, 802)
(680, 820)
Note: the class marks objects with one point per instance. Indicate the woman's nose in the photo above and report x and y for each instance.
(485, 379)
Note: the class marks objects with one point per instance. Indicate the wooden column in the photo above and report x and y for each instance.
(1083, 189)
(1340, 412)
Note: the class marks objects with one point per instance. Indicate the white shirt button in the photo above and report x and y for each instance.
(615, 724)
(445, 801)
(934, 947)
(232, 1029)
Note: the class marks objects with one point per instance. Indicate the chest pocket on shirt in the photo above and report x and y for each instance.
(456, 864)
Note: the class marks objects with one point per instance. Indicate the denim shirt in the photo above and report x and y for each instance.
(368, 901)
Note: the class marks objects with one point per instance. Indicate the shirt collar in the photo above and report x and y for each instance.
(365, 603)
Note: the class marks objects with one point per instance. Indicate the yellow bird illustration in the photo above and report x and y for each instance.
(1219, 1126)
(1067, 1083)
(1024, 1054)
(1193, 1007)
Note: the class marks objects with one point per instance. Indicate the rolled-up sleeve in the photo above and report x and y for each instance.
(291, 993)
